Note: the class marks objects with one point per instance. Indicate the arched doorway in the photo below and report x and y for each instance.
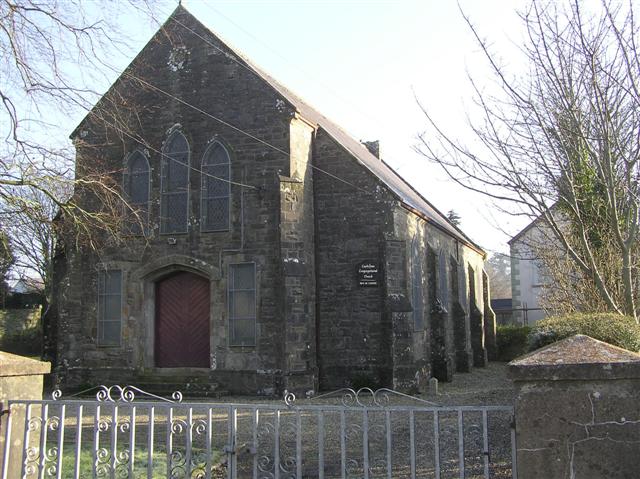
(182, 336)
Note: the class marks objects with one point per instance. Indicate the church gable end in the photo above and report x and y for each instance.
(260, 252)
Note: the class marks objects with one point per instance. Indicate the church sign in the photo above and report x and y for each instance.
(368, 274)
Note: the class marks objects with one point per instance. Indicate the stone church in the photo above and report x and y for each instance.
(274, 251)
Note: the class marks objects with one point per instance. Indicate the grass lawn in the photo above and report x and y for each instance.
(140, 463)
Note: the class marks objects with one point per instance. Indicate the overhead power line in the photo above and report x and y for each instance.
(313, 78)
(235, 128)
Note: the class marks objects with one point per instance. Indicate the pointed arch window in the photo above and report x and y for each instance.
(443, 279)
(215, 196)
(174, 195)
(417, 299)
(137, 189)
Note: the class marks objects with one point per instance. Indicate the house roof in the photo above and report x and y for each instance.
(521, 233)
(501, 304)
(406, 193)
(536, 221)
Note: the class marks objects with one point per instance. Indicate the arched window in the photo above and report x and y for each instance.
(137, 189)
(417, 300)
(443, 279)
(174, 196)
(215, 188)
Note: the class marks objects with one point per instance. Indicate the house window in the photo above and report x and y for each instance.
(416, 286)
(137, 188)
(109, 307)
(215, 188)
(242, 304)
(174, 196)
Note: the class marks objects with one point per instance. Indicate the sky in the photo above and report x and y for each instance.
(364, 63)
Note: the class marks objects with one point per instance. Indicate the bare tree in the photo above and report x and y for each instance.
(562, 142)
(498, 268)
(54, 56)
(33, 237)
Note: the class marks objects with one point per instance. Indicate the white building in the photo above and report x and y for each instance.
(527, 275)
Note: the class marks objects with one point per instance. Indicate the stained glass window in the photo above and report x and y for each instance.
(137, 187)
(443, 280)
(416, 286)
(109, 307)
(174, 196)
(215, 188)
(242, 304)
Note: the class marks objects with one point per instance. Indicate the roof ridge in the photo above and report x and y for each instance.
(400, 187)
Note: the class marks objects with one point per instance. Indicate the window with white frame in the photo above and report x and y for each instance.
(242, 304)
(109, 307)
(174, 195)
(215, 193)
(137, 188)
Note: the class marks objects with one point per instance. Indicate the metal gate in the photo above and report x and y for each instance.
(126, 432)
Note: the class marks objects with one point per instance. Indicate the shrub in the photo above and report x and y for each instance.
(611, 328)
(511, 341)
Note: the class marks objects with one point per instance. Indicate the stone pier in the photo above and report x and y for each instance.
(577, 411)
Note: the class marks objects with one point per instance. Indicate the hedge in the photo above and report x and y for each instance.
(611, 328)
(511, 341)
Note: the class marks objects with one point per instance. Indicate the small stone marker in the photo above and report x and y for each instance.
(433, 386)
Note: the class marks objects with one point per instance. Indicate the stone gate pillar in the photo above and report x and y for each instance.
(577, 411)
(20, 379)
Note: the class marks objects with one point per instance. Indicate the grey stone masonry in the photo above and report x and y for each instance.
(305, 207)
(489, 320)
(20, 379)
(577, 413)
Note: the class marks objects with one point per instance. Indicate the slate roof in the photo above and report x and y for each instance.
(398, 185)
(406, 193)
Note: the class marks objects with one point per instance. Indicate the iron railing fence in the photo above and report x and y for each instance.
(125, 432)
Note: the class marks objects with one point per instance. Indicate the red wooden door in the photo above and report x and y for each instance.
(182, 321)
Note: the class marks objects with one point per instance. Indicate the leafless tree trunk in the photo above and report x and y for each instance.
(53, 53)
(562, 142)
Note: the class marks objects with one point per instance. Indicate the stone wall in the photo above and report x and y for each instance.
(353, 218)
(297, 249)
(372, 332)
(576, 411)
(304, 210)
(207, 76)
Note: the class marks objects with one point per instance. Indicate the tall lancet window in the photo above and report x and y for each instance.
(216, 173)
(417, 299)
(137, 188)
(174, 196)
(443, 279)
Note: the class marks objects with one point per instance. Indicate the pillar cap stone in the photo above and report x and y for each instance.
(14, 365)
(579, 357)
